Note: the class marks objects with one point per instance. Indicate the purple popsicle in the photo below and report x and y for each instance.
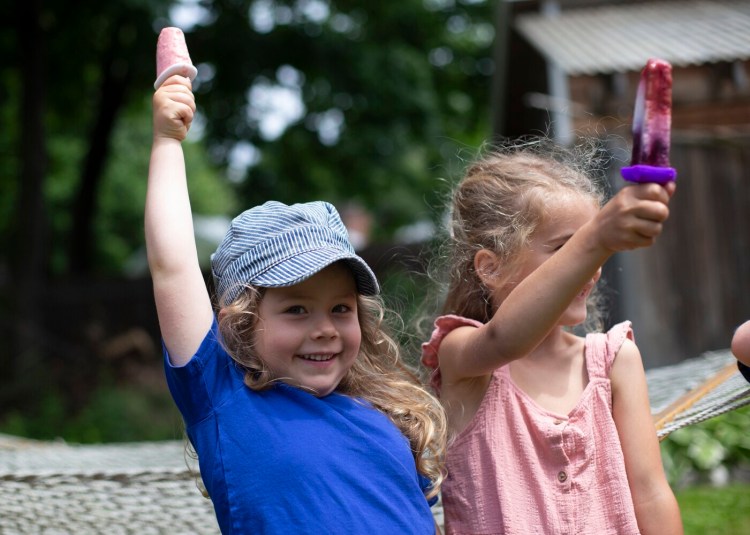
(652, 121)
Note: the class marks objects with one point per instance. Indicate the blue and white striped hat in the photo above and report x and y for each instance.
(276, 245)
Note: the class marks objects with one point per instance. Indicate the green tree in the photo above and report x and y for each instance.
(387, 94)
(390, 91)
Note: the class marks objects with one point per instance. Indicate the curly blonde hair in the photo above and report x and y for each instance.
(499, 204)
(378, 375)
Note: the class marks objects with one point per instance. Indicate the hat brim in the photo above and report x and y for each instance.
(304, 265)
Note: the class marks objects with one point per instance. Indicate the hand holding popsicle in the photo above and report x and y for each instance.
(172, 56)
(174, 108)
(652, 120)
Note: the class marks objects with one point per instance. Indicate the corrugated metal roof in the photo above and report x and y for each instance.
(621, 38)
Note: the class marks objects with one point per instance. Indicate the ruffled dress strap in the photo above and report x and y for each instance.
(602, 348)
(443, 325)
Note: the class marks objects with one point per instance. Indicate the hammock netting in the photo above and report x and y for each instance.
(146, 488)
(695, 390)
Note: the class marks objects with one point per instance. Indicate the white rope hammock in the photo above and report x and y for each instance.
(146, 488)
(695, 390)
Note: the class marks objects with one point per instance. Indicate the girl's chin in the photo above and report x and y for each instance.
(573, 319)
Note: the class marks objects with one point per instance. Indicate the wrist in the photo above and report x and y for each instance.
(166, 139)
(590, 242)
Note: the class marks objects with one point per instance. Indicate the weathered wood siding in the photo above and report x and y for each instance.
(689, 292)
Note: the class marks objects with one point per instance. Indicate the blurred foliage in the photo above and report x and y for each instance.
(715, 511)
(118, 227)
(114, 414)
(713, 449)
(383, 97)
(389, 92)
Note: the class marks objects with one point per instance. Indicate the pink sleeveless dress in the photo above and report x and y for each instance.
(520, 469)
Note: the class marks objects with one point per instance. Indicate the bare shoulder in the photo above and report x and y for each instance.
(628, 353)
(627, 367)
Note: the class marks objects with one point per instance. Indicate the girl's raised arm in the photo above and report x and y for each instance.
(182, 301)
(631, 219)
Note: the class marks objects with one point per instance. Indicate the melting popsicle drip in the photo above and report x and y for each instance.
(172, 56)
(652, 122)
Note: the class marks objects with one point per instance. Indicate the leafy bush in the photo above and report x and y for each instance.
(710, 451)
(114, 414)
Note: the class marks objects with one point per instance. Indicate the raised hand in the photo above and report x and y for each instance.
(174, 108)
(634, 217)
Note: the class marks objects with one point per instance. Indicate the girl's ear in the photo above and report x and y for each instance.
(487, 266)
(222, 313)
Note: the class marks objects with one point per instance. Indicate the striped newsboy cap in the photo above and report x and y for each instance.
(275, 245)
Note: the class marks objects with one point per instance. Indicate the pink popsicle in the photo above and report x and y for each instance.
(652, 122)
(172, 56)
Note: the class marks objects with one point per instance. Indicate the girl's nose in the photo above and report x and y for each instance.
(324, 328)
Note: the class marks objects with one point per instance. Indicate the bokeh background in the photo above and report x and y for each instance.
(376, 107)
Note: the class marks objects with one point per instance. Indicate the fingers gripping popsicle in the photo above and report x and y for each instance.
(652, 121)
(172, 56)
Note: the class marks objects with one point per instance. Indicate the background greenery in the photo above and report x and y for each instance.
(378, 101)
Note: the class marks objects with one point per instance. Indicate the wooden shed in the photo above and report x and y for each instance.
(572, 68)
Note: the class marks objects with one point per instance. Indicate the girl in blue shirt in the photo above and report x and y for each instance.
(303, 416)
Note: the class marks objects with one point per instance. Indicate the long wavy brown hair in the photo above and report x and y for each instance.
(378, 375)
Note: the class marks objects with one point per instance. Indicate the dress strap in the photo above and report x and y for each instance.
(601, 348)
(443, 326)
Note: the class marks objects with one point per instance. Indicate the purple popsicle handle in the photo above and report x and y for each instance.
(648, 173)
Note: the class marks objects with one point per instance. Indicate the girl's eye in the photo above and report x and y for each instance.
(296, 309)
(340, 309)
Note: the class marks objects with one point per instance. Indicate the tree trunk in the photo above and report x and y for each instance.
(115, 80)
(29, 239)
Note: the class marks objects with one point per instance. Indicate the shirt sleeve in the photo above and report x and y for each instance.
(744, 370)
(205, 381)
(426, 484)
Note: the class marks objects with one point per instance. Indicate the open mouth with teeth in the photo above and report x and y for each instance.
(317, 358)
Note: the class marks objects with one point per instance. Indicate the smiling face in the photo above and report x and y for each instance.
(565, 214)
(308, 334)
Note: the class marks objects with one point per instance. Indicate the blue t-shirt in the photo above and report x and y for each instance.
(285, 461)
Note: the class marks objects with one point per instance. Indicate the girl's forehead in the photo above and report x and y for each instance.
(567, 215)
(564, 201)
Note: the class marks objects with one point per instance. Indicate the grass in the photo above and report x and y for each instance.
(715, 511)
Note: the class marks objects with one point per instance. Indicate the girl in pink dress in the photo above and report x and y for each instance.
(552, 431)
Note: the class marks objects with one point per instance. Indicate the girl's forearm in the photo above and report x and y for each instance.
(170, 239)
(660, 516)
(182, 300)
(534, 307)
